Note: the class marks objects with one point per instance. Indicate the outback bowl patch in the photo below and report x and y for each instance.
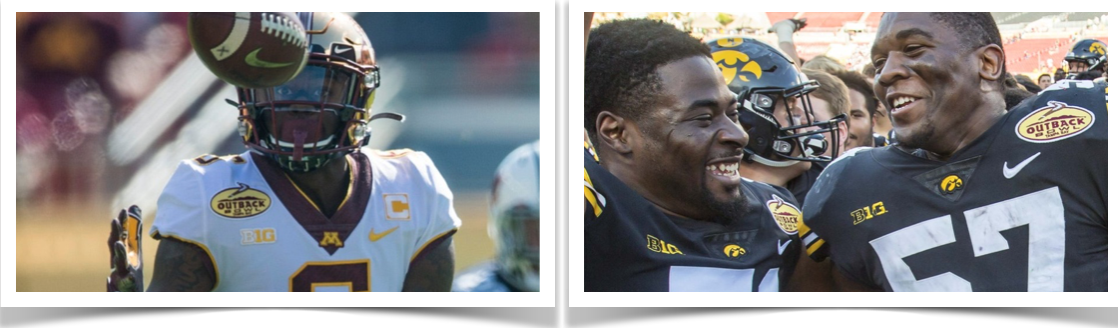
(240, 202)
(1054, 122)
(786, 215)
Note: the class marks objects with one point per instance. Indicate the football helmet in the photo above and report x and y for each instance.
(514, 217)
(323, 113)
(1086, 55)
(764, 77)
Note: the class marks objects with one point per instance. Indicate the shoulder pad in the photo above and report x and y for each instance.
(209, 159)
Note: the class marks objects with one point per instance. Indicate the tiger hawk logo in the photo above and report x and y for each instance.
(735, 65)
(1097, 48)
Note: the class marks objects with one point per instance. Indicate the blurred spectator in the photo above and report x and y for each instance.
(1060, 75)
(1012, 84)
(863, 108)
(869, 71)
(824, 63)
(830, 101)
(1044, 81)
(1014, 96)
(69, 74)
(1027, 83)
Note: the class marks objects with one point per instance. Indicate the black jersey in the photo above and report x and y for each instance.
(631, 246)
(1022, 208)
(800, 186)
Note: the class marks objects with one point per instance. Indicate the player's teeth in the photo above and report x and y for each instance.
(723, 169)
(901, 101)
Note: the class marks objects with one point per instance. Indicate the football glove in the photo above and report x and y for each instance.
(791, 24)
(127, 273)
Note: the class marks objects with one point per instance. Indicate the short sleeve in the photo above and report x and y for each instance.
(180, 210)
(443, 221)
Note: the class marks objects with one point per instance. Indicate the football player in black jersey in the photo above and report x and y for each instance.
(666, 209)
(972, 197)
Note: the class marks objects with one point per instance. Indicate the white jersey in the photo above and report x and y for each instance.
(263, 234)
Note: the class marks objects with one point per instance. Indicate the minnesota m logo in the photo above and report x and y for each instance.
(330, 238)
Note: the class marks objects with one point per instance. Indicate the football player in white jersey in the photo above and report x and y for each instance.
(514, 224)
(305, 209)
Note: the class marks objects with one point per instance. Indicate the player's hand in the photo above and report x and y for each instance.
(127, 273)
(791, 24)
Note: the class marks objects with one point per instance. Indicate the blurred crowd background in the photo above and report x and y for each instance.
(109, 103)
(1035, 42)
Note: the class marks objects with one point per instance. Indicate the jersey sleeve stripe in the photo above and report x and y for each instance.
(217, 276)
(803, 228)
(592, 196)
(815, 247)
(810, 238)
(437, 237)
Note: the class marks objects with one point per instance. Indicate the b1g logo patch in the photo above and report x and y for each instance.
(786, 215)
(1055, 122)
(240, 202)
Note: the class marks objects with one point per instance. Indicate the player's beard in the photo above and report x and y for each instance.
(919, 139)
(725, 213)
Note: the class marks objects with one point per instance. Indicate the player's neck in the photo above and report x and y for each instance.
(327, 186)
(981, 121)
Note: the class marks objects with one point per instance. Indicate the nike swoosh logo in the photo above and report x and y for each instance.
(339, 50)
(1012, 172)
(374, 236)
(251, 60)
(780, 248)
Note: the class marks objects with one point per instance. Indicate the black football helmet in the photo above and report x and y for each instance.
(764, 77)
(322, 113)
(1086, 55)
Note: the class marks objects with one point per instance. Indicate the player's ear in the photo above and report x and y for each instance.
(992, 59)
(613, 134)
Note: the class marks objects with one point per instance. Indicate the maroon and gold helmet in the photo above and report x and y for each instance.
(322, 113)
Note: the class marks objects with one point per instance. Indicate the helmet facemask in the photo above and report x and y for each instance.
(309, 120)
(517, 232)
(795, 135)
(322, 113)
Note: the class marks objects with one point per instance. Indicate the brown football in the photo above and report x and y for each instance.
(250, 50)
